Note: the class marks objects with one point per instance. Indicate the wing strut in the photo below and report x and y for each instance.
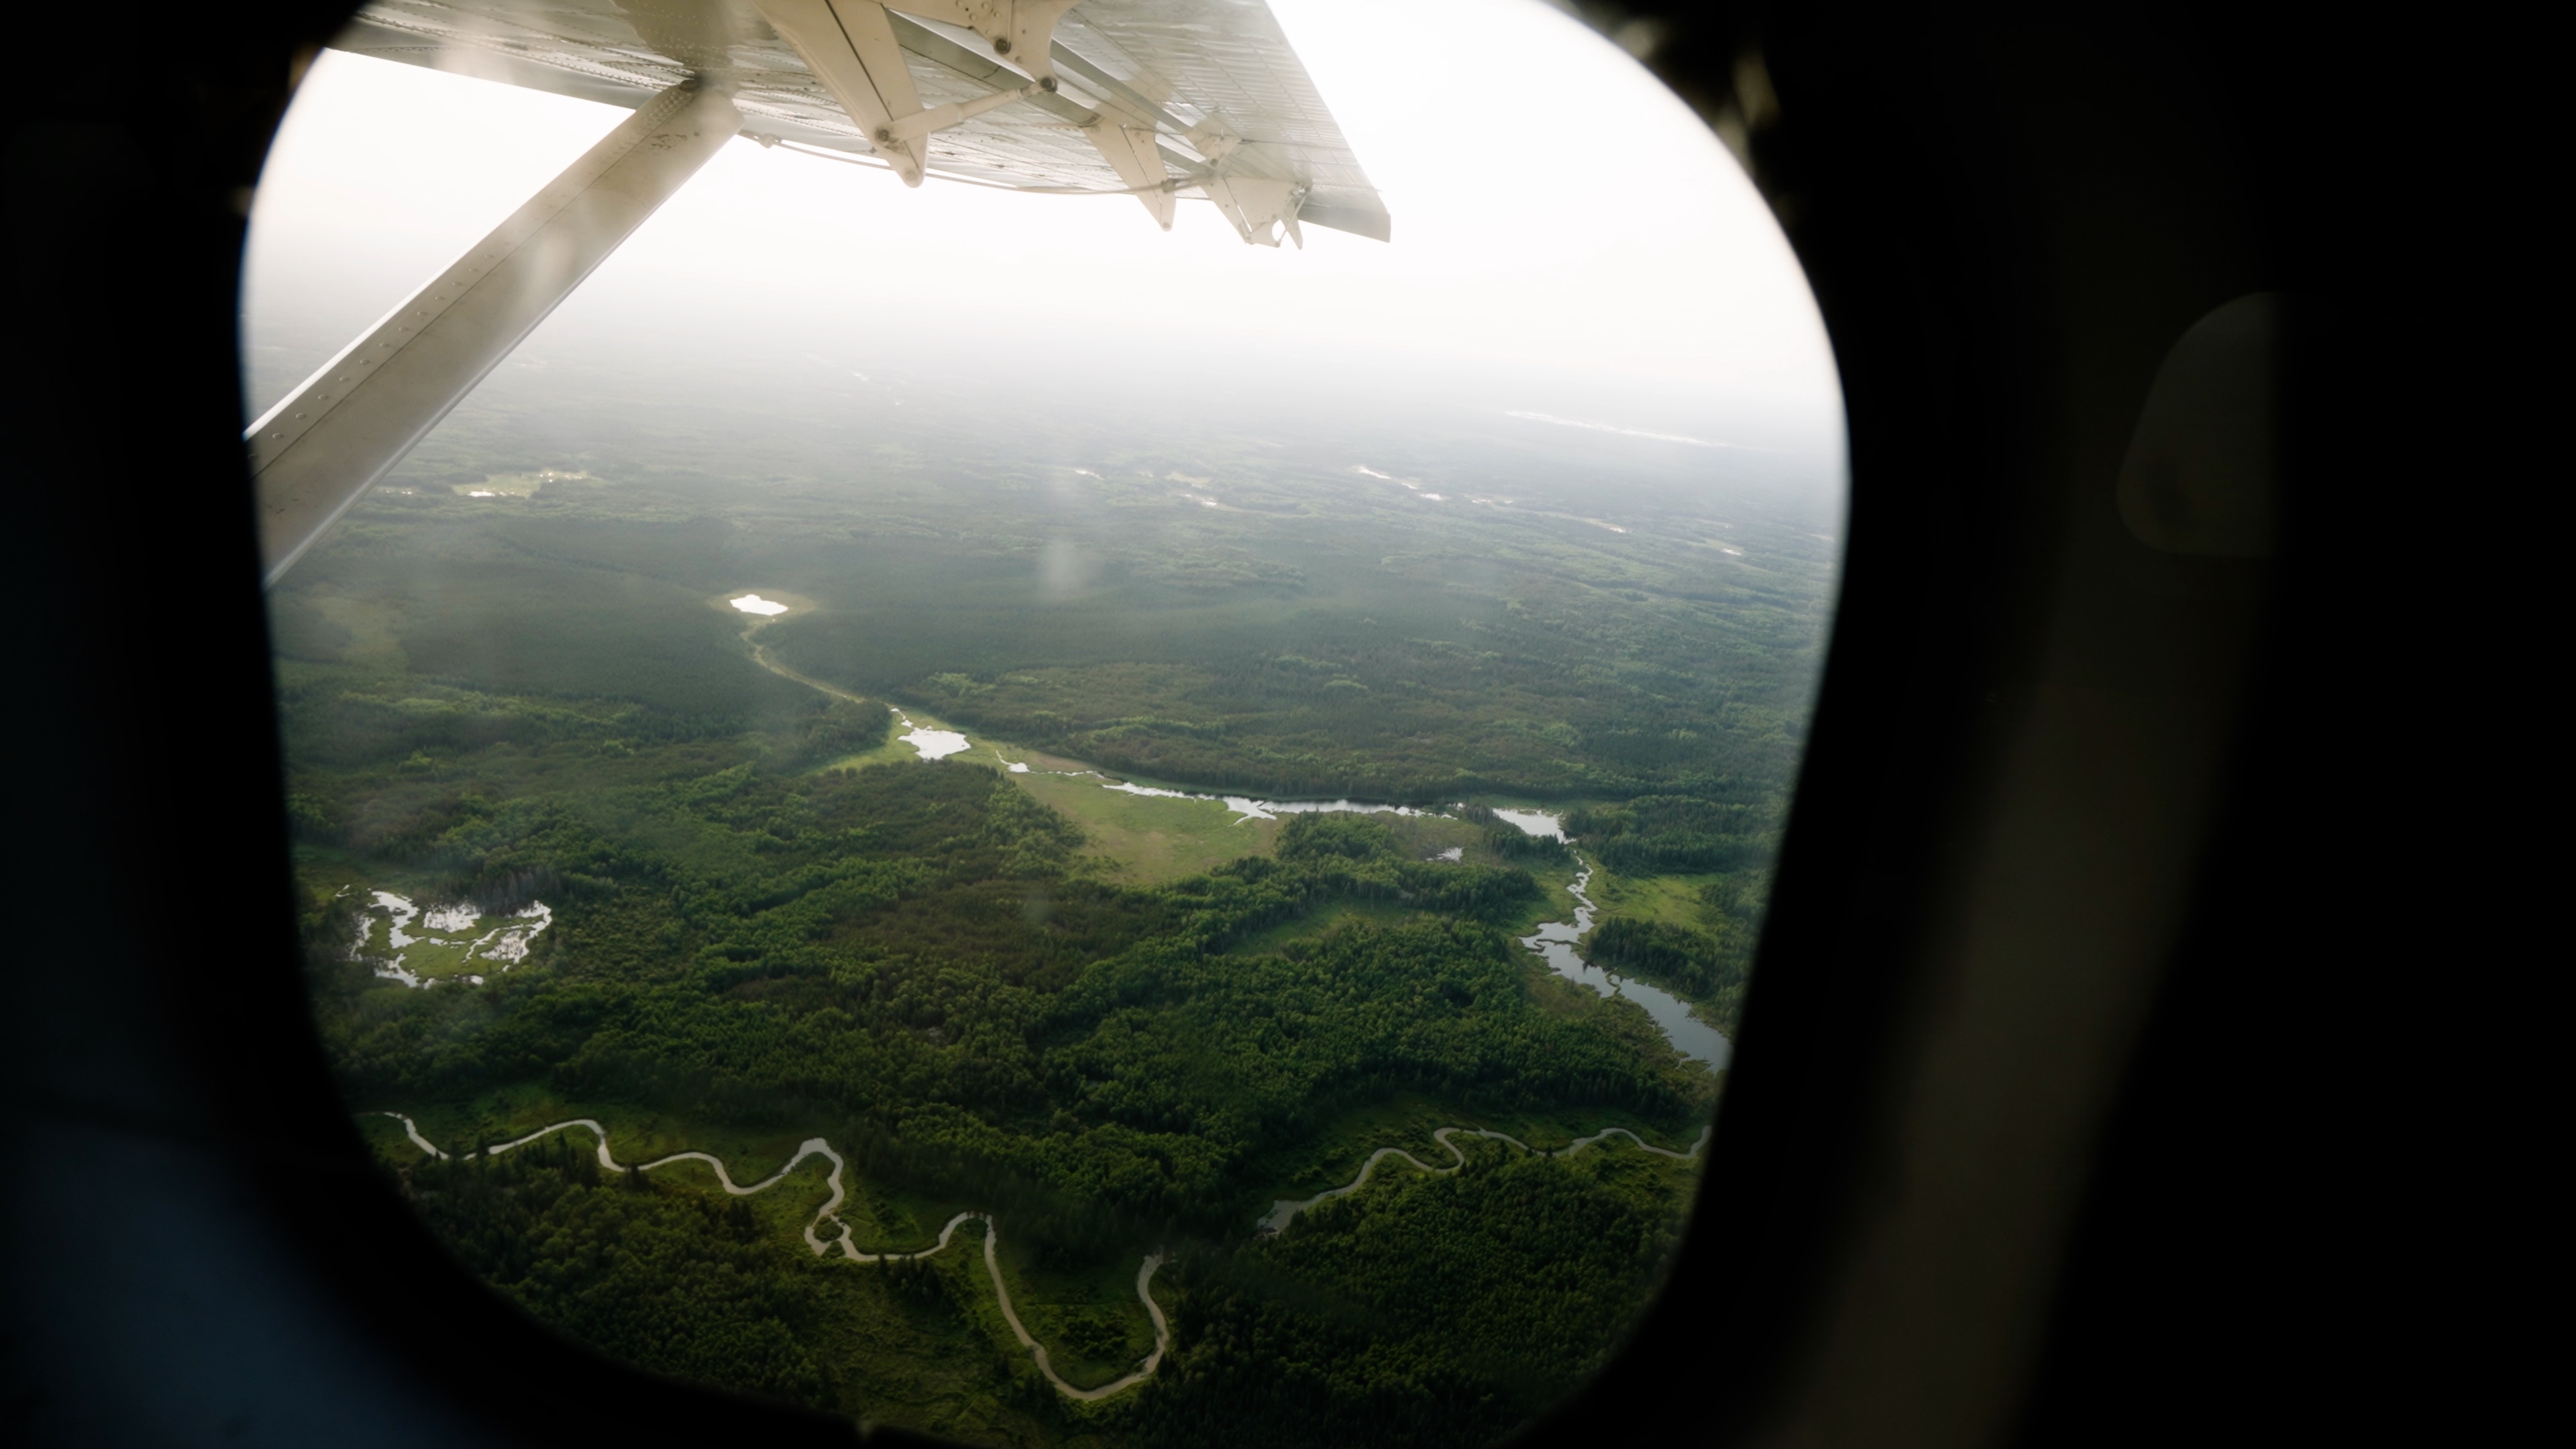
(315, 453)
(851, 48)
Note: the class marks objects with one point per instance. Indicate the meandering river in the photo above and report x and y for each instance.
(1280, 1215)
(1285, 1210)
(841, 1241)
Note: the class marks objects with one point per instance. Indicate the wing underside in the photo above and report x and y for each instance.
(1145, 97)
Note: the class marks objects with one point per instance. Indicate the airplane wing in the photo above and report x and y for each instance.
(1152, 98)
(1146, 98)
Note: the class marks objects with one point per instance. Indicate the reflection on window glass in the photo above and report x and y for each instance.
(953, 807)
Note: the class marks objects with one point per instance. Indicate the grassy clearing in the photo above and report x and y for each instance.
(1147, 839)
(1671, 899)
(892, 752)
(1040, 760)
(1425, 836)
(895, 751)
(1152, 839)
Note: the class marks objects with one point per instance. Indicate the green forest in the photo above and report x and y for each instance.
(765, 923)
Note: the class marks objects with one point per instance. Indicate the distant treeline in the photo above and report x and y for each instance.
(336, 720)
(1411, 704)
(388, 774)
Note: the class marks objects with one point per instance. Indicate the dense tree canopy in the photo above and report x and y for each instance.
(549, 700)
(908, 958)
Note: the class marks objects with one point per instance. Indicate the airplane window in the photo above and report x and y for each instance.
(1138, 809)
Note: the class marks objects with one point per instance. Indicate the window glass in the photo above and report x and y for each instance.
(945, 805)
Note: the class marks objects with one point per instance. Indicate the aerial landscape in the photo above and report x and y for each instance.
(895, 871)
(1053, 885)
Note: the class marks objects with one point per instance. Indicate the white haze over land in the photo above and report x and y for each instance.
(1572, 248)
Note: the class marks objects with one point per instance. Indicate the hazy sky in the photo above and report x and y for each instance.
(1555, 210)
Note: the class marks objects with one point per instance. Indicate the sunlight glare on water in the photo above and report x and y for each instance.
(755, 604)
(934, 744)
(1536, 823)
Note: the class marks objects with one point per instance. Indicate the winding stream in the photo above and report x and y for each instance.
(841, 1240)
(1554, 942)
(1285, 1210)
(1280, 1215)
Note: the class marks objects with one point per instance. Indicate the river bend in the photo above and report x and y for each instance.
(824, 1246)
(1285, 1210)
